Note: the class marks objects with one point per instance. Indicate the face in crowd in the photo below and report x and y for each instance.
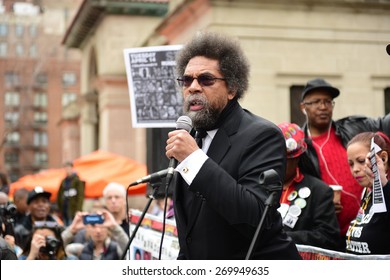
(318, 107)
(115, 201)
(39, 208)
(358, 149)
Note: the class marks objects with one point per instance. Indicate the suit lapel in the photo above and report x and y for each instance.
(217, 150)
(219, 146)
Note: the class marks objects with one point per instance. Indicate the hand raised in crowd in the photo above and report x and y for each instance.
(109, 220)
(77, 223)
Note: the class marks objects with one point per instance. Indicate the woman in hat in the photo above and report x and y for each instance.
(369, 232)
(306, 203)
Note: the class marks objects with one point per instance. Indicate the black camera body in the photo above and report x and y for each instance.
(8, 210)
(7, 215)
(51, 246)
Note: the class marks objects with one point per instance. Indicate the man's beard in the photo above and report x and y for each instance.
(206, 118)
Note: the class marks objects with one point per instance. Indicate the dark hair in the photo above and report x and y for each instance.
(233, 64)
(57, 230)
(21, 193)
(381, 139)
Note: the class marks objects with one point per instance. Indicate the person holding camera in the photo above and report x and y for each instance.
(45, 243)
(107, 239)
(7, 214)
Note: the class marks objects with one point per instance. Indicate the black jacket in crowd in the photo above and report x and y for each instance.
(317, 224)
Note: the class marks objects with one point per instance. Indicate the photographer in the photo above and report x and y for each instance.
(45, 243)
(7, 214)
(107, 239)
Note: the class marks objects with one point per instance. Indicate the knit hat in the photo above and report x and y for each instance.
(319, 84)
(295, 139)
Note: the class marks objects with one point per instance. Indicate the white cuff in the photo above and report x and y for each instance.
(190, 167)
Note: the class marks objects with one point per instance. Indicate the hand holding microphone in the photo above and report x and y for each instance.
(180, 143)
(176, 137)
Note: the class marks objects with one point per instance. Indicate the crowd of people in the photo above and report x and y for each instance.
(102, 233)
(217, 201)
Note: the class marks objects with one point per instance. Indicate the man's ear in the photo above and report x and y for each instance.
(232, 94)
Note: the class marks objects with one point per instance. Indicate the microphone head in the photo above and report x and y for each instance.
(184, 122)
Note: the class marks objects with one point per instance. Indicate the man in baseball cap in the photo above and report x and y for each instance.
(38, 191)
(320, 85)
(38, 201)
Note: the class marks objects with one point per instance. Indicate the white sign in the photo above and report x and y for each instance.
(155, 98)
(147, 241)
(378, 202)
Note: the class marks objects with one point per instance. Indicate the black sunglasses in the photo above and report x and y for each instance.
(204, 80)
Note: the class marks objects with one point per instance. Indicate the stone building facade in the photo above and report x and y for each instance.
(287, 43)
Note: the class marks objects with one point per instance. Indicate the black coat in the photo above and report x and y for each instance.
(227, 200)
(371, 234)
(317, 225)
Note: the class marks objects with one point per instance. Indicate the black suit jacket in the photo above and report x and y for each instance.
(317, 225)
(226, 200)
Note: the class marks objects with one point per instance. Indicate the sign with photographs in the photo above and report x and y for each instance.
(155, 99)
(147, 241)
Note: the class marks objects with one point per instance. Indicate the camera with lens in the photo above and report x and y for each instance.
(51, 246)
(7, 215)
(7, 210)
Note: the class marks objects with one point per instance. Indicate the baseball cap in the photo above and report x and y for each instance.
(319, 84)
(295, 139)
(38, 191)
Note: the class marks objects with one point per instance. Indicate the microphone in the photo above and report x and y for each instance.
(270, 179)
(183, 122)
(151, 177)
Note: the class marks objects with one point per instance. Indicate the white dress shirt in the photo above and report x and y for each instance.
(189, 167)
